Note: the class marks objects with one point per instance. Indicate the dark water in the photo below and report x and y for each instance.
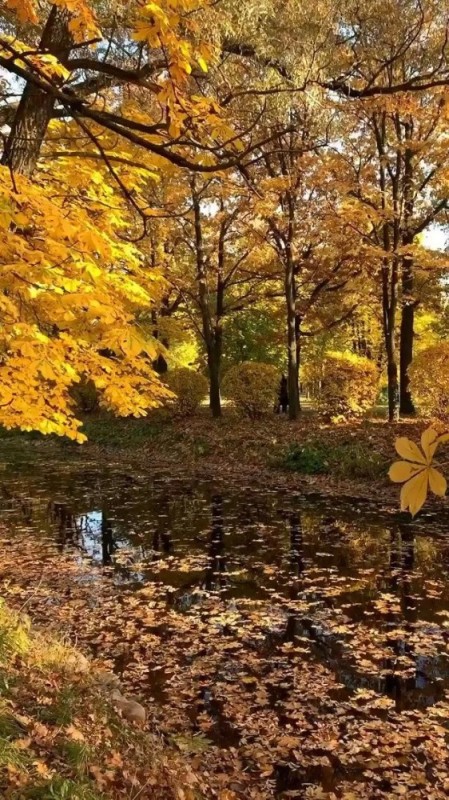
(370, 595)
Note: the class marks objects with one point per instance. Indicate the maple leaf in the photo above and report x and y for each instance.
(416, 472)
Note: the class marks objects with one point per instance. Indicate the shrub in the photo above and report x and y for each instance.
(345, 460)
(349, 385)
(429, 379)
(253, 387)
(308, 459)
(189, 387)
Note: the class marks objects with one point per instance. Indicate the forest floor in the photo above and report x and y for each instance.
(61, 737)
(347, 461)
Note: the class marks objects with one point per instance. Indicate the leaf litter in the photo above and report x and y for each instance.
(285, 652)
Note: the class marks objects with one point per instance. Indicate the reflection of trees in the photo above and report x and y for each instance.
(78, 531)
(296, 545)
(402, 565)
(296, 562)
(162, 541)
(215, 577)
(108, 545)
(61, 515)
(12, 502)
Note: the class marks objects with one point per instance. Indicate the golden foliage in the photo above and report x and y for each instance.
(429, 378)
(252, 387)
(190, 388)
(68, 302)
(349, 384)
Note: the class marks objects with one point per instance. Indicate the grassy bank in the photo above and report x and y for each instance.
(349, 460)
(60, 737)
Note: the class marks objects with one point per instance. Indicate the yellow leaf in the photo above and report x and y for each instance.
(437, 482)
(409, 450)
(74, 733)
(25, 9)
(202, 63)
(414, 493)
(429, 443)
(402, 471)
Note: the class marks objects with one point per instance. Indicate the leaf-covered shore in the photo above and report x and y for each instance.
(349, 462)
(60, 736)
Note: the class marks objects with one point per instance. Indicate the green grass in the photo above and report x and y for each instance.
(62, 710)
(345, 460)
(78, 755)
(108, 431)
(100, 428)
(59, 788)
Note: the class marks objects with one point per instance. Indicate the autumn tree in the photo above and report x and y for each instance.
(72, 278)
(214, 263)
(298, 217)
(398, 194)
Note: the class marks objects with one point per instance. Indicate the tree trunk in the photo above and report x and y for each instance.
(214, 383)
(292, 353)
(406, 356)
(408, 301)
(393, 384)
(298, 357)
(407, 336)
(212, 335)
(389, 305)
(217, 347)
(35, 109)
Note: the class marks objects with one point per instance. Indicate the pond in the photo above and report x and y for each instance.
(289, 647)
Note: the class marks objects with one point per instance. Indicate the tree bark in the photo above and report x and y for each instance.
(406, 405)
(408, 302)
(35, 109)
(298, 357)
(393, 384)
(292, 352)
(389, 306)
(390, 267)
(212, 337)
(214, 382)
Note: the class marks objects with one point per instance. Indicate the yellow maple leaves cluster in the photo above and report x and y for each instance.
(83, 23)
(70, 291)
(73, 285)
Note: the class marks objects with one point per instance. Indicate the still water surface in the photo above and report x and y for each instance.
(366, 599)
(256, 545)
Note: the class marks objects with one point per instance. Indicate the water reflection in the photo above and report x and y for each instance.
(108, 545)
(162, 540)
(296, 545)
(368, 596)
(215, 578)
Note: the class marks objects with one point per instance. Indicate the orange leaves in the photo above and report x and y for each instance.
(25, 9)
(83, 23)
(416, 471)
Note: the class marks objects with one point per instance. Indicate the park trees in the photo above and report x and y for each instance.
(299, 217)
(214, 262)
(259, 136)
(397, 152)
